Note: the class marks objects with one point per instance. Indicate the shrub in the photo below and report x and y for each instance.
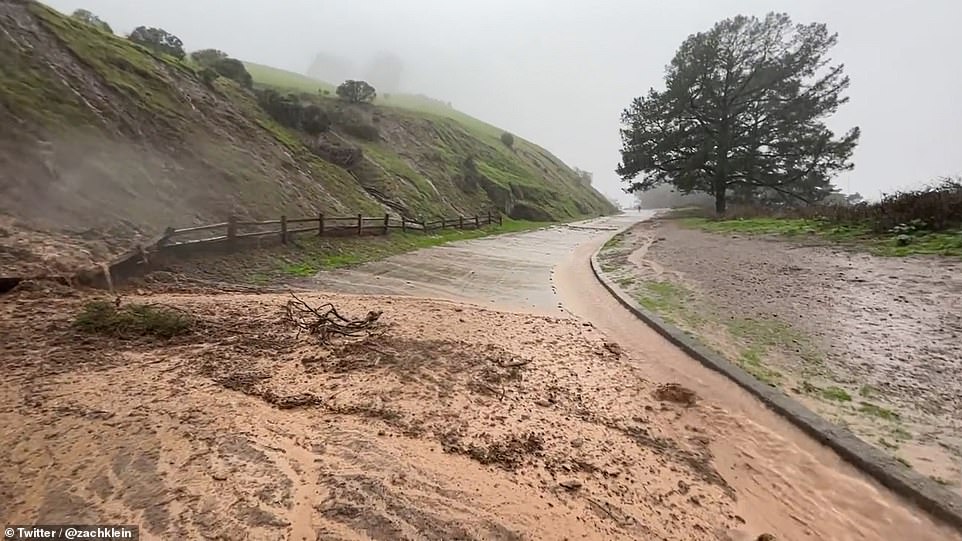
(507, 139)
(224, 65)
(159, 40)
(132, 320)
(356, 92)
(314, 120)
(87, 17)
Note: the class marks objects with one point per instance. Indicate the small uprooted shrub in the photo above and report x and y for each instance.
(132, 320)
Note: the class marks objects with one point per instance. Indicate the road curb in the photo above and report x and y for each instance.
(924, 492)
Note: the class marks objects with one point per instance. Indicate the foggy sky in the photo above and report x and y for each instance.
(559, 72)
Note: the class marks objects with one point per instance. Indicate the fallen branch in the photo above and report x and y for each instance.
(325, 322)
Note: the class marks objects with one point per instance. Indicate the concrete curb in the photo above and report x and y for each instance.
(924, 492)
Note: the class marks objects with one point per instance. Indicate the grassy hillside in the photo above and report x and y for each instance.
(436, 139)
(103, 142)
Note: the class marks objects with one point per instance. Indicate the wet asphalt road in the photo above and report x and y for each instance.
(509, 271)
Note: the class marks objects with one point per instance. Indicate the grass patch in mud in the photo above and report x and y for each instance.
(831, 393)
(874, 410)
(948, 243)
(131, 320)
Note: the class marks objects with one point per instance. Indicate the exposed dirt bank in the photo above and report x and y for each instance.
(872, 343)
(452, 422)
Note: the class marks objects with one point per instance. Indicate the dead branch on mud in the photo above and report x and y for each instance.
(324, 320)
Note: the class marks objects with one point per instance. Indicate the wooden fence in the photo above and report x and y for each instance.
(284, 228)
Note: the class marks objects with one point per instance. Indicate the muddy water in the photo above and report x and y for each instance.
(509, 271)
(785, 483)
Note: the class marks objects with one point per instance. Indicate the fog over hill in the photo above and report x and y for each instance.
(559, 73)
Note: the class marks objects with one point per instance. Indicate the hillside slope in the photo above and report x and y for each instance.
(103, 142)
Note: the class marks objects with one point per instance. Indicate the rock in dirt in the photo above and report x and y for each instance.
(673, 392)
(766, 537)
(571, 484)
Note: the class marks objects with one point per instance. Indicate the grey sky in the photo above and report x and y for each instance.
(560, 72)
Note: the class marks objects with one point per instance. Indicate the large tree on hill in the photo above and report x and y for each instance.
(357, 92)
(159, 40)
(742, 112)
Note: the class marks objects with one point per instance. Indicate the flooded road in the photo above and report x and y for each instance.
(785, 482)
(509, 271)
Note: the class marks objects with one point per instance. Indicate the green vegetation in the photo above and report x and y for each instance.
(663, 298)
(831, 393)
(888, 244)
(789, 155)
(132, 320)
(286, 81)
(868, 391)
(875, 410)
(751, 361)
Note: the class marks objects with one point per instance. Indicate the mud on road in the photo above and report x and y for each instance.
(872, 343)
(451, 422)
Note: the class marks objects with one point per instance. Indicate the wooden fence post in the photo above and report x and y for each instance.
(460, 222)
(387, 221)
(499, 219)
(231, 227)
(443, 222)
(360, 224)
(404, 225)
(320, 225)
(283, 229)
(477, 222)
(489, 217)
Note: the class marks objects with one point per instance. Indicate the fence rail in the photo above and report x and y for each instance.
(321, 225)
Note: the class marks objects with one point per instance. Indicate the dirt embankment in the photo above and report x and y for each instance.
(875, 344)
(451, 422)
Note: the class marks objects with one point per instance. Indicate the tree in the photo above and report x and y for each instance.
(87, 17)
(357, 92)
(208, 57)
(507, 139)
(159, 40)
(220, 63)
(742, 112)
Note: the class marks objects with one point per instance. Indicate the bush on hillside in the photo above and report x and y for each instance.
(223, 65)
(934, 208)
(158, 40)
(356, 92)
(292, 112)
(507, 139)
(87, 17)
(314, 120)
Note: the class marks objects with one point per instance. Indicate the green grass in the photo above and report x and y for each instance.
(751, 361)
(664, 298)
(922, 243)
(875, 410)
(132, 320)
(835, 394)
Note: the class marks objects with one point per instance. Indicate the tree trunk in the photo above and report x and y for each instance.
(720, 200)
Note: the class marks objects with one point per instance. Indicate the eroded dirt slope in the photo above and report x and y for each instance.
(452, 422)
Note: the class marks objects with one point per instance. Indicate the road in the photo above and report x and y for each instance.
(785, 482)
